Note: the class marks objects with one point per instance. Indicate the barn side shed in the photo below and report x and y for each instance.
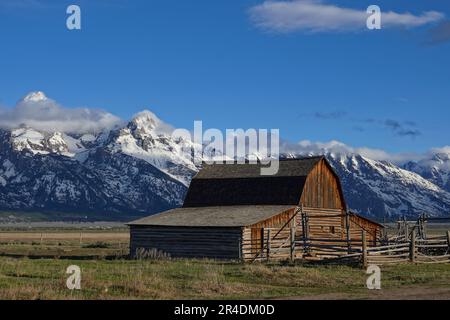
(212, 232)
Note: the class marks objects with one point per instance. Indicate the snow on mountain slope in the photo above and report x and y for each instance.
(38, 142)
(104, 183)
(37, 96)
(435, 168)
(146, 137)
(390, 189)
(28, 139)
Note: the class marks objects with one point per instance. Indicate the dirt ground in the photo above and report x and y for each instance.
(410, 293)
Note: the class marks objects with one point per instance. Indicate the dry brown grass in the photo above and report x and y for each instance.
(46, 236)
(185, 279)
(200, 279)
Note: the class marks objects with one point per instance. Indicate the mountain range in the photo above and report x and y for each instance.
(138, 168)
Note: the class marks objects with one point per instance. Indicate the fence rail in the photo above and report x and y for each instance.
(285, 244)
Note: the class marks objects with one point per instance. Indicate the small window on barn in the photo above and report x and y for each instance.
(332, 230)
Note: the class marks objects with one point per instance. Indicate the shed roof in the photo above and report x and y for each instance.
(243, 184)
(367, 219)
(229, 216)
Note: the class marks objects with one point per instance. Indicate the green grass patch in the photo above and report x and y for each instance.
(202, 279)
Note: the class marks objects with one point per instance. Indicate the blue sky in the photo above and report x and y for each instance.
(228, 64)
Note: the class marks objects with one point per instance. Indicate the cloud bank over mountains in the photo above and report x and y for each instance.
(315, 148)
(39, 112)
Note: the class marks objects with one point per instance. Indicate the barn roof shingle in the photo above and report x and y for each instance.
(243, 184)
(229, 216)
(288, 168)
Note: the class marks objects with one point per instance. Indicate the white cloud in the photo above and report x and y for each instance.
(445, 149)
(318, 16)
(41, 113)
(306, 147)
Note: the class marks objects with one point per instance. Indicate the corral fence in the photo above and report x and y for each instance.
(415, 249)
(285, 244)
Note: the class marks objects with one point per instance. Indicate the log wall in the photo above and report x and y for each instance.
(322, 223)
(275, 244)
(185, 242)
(357, 224)
(255, 236)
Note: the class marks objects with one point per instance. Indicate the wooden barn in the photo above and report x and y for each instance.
(232, 212)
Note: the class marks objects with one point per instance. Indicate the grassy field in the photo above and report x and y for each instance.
(67, 244)
(201, 279)
(35, 269)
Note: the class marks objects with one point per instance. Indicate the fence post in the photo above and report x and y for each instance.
(412, 249)
(81, 237)
(364, 248)
(268, 244)
(262, 243)
(42, 238)
(239, 249)
(448, 239)
(304, 231)
(347, 229)
(292, 243)
(407, 230)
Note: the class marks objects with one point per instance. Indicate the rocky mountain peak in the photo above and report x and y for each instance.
(36, 96)
(145, 122)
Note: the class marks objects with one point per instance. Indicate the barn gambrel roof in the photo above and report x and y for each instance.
(243, 184)
(288, 168)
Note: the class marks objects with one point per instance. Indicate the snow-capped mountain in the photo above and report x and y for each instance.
(46, 174)
(139, 168)
(435, 168)
(36, 96)
(382, 189)
(146, 137)
(134, 170)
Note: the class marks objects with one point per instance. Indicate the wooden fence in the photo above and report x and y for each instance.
(282, 244)
(273, 244)
(416, 250)
(433, 249)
